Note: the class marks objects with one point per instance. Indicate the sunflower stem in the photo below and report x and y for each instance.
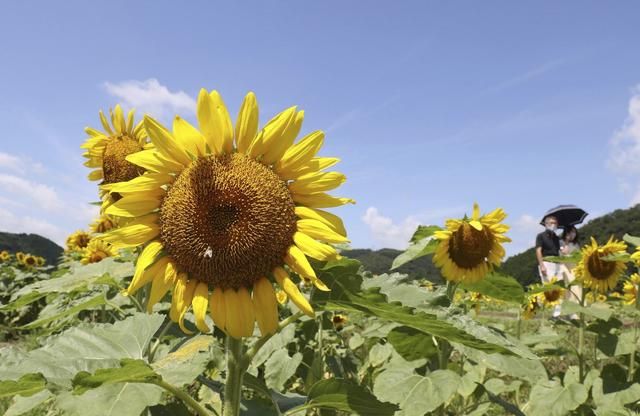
(235, 373)
(200, 411)
(632, 355)
(581, 342)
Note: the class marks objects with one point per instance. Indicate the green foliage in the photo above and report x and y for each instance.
(340, 395)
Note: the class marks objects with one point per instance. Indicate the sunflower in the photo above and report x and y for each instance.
(102, 224)
(78, 241)
(469, 248)
(551, 297)
(221, 211)
(20, 257)
(530, 307)
(4, 256)
(40, 261)
(96, 251)
(107, 151)
(29, 261)
(281, 296)
(599, 274)
(630, 289)
(338, 321)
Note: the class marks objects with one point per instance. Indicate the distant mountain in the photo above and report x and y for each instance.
(379, 262)
(524, 266)
(31, 243)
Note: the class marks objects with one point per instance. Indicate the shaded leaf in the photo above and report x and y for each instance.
(411, 344)
(134, 371)
(341, 395)
(27, 385)
(498, 286)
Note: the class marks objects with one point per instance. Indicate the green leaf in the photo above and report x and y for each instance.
(499, 287)
(280, 367)
(341, 395)
(185, 364)
(22, 405)
(526, 369)
(415, 394)
(23, 301)
(596, 310)
(424, 231)
(121, 399)
(550, 398)
(379, 354)
(275, 343)
(27, 385)
(130, 371)
(634, 241)
(411, 344)
(416, 250)
(342, 278)
(573, 258)
(85, 348)
(91, 303)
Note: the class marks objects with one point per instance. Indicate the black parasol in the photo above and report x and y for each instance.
(566, 215)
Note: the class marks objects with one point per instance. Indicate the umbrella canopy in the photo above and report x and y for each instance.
(566, 215)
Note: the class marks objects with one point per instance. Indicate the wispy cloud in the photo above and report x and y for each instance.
(625, 150)
(525, 76)
(42, 194)
(151, 97)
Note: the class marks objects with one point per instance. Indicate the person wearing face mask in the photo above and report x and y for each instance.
(548, 244)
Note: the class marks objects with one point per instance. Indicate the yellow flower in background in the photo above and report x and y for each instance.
(29, 260)
(40, 261)
(102, 224)
(20, 257)
(5, 256)
(107, 151)
(636, 256)
(281, 296)
(339, 320)
(469, 248)
(221, 210)
(78, 241)
(96, 251)
(630, 289)
(553, 296)
(599, 274)
(530, 308)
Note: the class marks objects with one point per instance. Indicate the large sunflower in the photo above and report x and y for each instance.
(470, 247)
(96, 251)
(222, 211)
(107, 151)
(597, 273)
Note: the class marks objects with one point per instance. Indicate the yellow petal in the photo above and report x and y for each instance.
(93, 132)
(225, 121)
(280, 135)
(132, 235)
(247, 123)
(148, 256)
(95, 175)
(245, 307)
(178, 296)
(161, 284)
(320, 231)
(189, 137)
(313, 248)
(119, 121)
(150, 160)
(298, 262)
(476, 224)
(200, 303)
(301, 153)
(130, 116)
(165, 142)
(147, 274)
(186, 302)
(218, 309)
(290, 288)
(209, 122)
(105, 123)
(265, 306)
(146, 182)
(134, 205)
(321, 200)
(316, 164)
(317, 182)
(476, 211)
(330, 220)
(239, 313)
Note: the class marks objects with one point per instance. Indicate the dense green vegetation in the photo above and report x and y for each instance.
(379, 262)
(31, 243)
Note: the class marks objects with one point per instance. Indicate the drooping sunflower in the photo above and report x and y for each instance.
(5, 256)
(599, 274)
(96, 251)
(469, 248)
(630, 289)
(102, 224)
(553, 296)
(107, 151)
(220, 211)
(78, 241)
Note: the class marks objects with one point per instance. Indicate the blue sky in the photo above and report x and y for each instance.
(430, 105)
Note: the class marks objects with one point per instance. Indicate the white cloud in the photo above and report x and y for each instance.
(11, 162)
(24, 224)
(523, 234)
(625, 150)
(386, 233)
(151, 97)
(42, 194)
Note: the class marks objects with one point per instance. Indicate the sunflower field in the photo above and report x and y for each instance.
(213, 284)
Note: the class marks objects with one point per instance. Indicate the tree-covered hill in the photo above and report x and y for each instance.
(31, 243)
(379, 261)
(524, 266)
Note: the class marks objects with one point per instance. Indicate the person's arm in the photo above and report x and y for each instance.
(543, 269)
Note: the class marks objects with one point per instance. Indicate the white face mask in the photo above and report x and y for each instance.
(552, 227)
(558, 232)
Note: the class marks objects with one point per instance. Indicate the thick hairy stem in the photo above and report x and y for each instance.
(235, 373)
